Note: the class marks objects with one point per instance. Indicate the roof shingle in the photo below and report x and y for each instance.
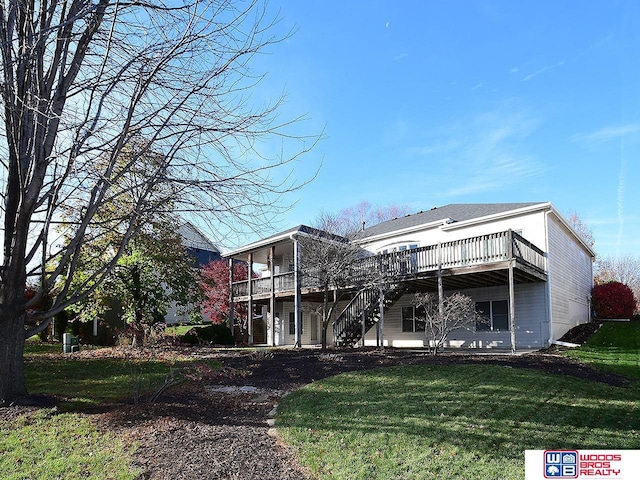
(458, 212)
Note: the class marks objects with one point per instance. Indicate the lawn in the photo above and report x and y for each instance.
(63, 444)
(615, 346)
(83, 381)
(463, 422)
(47, 445)
(179, 330)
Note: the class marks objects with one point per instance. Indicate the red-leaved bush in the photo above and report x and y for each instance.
(215, 284)
(613, 300)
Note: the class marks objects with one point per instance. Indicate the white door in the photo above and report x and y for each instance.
(314, 328)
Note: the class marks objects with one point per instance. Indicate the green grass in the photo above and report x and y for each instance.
(179, 330)
(463, 422)
(61, 446)
(97, 380)
(53, 445)
(615, 346)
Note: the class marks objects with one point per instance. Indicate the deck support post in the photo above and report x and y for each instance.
(272, 296)
(296, 297)
(512, 307)
(381, 321)
(440, 285)
(231, 304)
(364, 325)
(334, 313)
(250, 305)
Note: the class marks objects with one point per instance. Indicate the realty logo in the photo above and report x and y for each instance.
(561, 464)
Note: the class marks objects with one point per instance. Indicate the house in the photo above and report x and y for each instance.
(522, 263)
(203, 251)
(198, 245)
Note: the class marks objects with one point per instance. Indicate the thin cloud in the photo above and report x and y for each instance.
(436, 148)
(607, 134)
(477, 86)
(602, 221)
(497, 174)
(485, 154)
(542, 70)
(622, 134)
(401, 56)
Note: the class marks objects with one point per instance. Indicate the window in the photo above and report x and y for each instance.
(292, 323)
(413, 319)
(399, 248)
(496, 315)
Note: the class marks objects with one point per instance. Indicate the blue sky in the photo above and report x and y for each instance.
(427, 103)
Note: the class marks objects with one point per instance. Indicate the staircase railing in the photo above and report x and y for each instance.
(364, 307)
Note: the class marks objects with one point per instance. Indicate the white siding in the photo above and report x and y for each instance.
(530, 224)
(283, 337)
(531, 325)
(173, 317)
(570, 279)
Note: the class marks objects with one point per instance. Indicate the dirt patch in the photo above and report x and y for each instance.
(218, 428)
(581, 333)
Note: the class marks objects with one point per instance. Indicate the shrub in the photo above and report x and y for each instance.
(613, 300)
(217, 334)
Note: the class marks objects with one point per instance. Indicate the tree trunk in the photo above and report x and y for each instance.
(137, 327)
(12, 383)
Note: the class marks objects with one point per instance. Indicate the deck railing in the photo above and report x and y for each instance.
(479, 250)
(282, 282)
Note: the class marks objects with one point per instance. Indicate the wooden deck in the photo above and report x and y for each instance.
(471, 262)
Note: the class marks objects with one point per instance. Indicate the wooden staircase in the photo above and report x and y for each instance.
(348, 328)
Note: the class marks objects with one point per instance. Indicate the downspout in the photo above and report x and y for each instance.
(250, 303)
(296, 287)
(548, 289)
(272, 297)
(231, 299)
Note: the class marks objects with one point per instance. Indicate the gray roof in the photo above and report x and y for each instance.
(304, 229)
(458, 212)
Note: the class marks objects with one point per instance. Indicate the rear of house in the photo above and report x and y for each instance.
(521, 263)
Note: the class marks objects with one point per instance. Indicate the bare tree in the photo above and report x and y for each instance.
(327, 262)
(80, 80)
(439, 320)
(331, 259)
(624, 269)
(581, 228)
(365, 215)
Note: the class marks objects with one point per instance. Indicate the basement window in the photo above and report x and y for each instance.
(413, 319)
(496, 315)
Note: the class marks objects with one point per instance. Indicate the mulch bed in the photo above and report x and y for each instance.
(201, 430)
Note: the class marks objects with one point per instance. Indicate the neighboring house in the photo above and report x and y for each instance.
(522, 263)
(198, 246)
(203, 252)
